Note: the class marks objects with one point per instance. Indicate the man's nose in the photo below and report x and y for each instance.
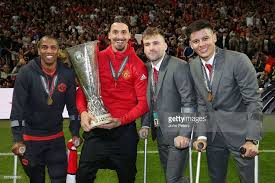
(201, 43)
(120, 35)
(151, 47)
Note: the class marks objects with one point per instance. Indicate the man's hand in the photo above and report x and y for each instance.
(251, 150)
(18, 148)
(143, 133)
(77, 141)
(203, 141)
(114, 122)
(86, 118)
(181, 142)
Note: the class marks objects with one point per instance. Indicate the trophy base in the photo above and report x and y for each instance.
(100, 120)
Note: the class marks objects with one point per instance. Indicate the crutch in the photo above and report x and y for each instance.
(190, 156)
(256, 164)
(200, 146)
(21, 150)
(15, 168)
(145, 161)
(256, 169)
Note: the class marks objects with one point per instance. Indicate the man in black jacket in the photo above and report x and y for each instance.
(42, 89)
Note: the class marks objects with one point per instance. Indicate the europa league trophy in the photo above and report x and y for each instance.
(84, 61)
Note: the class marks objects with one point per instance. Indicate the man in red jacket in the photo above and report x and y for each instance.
(123, 83)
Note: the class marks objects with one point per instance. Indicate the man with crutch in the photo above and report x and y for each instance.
(169, 91)
(227, 91)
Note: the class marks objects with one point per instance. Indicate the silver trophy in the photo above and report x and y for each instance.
(84, 61)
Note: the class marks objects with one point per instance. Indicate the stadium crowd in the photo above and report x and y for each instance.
(245, 26)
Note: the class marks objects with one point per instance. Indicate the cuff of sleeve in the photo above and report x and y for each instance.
(17, 133)
(74, 127)
(75, 133)
(122, 121)
(81, 110)
(145, 127)
(188, 110)
(202, 138)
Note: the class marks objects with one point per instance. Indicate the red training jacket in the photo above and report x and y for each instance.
(125, 98)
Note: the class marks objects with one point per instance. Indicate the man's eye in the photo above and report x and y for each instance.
(205, 38)
(54, 48)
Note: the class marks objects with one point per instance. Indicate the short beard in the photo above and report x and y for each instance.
(121, 49)
(155, 61)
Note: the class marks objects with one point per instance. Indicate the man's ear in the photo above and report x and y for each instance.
(190, 44)
(166, 46)
(215, 37)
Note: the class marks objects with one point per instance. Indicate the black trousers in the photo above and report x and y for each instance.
(40, 154)
(114, 149)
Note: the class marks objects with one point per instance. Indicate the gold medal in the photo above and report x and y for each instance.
(209, 97)
(50, 100)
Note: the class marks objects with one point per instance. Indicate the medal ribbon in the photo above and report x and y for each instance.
(49, 87)
(122, 66)
(209, 81)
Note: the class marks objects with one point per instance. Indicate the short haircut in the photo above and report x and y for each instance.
(152, 31)
(120, 19)
(47, 37)
(197, 26)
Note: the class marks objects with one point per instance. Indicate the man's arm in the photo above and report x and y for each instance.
(184, 84)
(81, 105)
(71, 107)
(182, 78)
(140, 84)
(146, 121)
(19, 99)
(245, 76)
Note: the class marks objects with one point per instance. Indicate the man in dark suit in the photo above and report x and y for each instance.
(169, 92)
(226, 87)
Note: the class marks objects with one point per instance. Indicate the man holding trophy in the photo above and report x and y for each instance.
(110, 137)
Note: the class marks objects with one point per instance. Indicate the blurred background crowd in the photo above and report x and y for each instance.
(245, 26)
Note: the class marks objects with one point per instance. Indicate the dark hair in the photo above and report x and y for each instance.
(152, 31)
(47, 37)
(121, 19)
(196, 26)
